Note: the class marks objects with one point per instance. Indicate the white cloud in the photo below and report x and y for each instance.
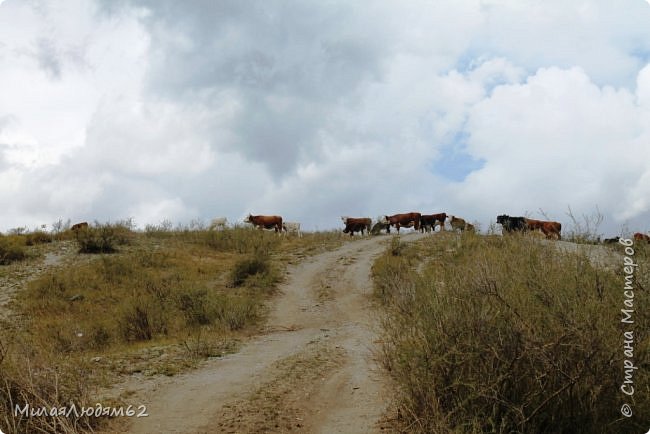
(560, 140)
(158, 110)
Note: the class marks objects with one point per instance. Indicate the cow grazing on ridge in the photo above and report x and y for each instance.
(218, 223)
(353, 225)
(429, 221)
(411, 219)
(548, 228)
(265, 222)
(611, 240)
(292, 228)
(460, 224)
(78, 226)
(642, 237)
(512, 224)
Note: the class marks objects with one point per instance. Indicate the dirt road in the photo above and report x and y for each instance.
(313, 371)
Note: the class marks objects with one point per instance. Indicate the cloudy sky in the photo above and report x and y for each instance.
(157, 110)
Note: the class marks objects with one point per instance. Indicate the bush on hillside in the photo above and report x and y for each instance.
(509, 335)
(12, 248)
(37, 237)
(104, 238)
(246, 267)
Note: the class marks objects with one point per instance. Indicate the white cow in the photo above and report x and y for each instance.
(218, 223)
(292, 228)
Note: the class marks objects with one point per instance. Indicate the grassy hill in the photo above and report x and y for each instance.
(507, 334)
(107, 301)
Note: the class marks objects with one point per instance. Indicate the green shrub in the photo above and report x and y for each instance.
(257, 264)
(103, 238)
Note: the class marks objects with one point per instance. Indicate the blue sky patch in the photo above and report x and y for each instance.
(455, 164)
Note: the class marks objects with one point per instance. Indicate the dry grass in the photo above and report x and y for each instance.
(169, 290)
(12, 248)
(505, 334)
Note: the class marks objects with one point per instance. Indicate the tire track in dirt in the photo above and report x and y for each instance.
(312, 372)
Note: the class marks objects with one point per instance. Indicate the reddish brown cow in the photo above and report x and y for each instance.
(353, 225)
(77, 226)
(265, 221)
(642, 237)
(429, 221)
(550, 229)
(404, 220)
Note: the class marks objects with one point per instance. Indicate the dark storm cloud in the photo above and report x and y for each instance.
(287, 64)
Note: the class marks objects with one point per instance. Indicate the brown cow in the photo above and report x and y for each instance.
(642, 237)
(265, 221)
(460, 224)
(404, 220)
(550, 229)
(78, 226)
(429, 221)
(353, 225)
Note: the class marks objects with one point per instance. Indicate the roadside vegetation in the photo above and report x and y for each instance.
(12, 248)
(509, 334)
(152, 302)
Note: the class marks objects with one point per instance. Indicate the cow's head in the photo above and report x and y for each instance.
(249, 219)
(501, 219)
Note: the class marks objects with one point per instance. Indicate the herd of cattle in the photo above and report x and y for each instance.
(416, 220)
(428, 222)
